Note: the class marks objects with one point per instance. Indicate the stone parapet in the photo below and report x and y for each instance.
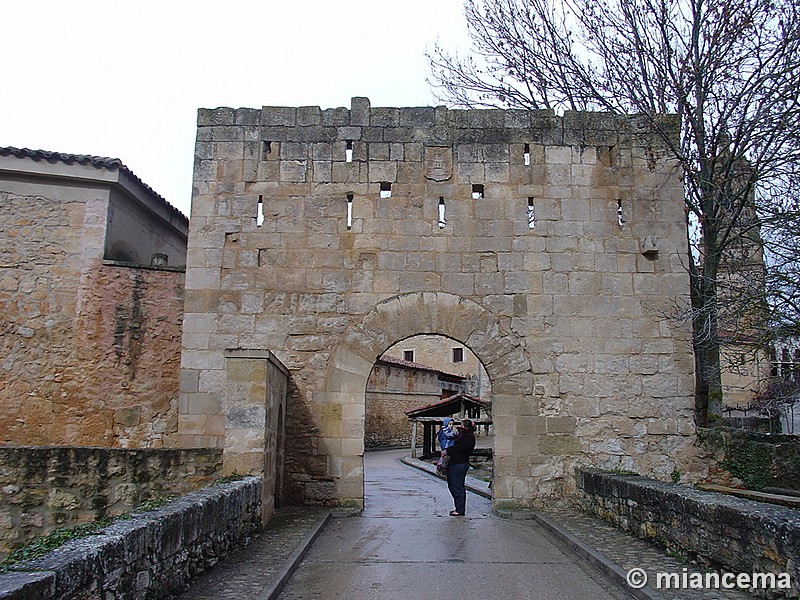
(149, 555)
(753, 460)
(723, 532)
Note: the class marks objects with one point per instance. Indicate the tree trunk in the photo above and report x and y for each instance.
(705, 337)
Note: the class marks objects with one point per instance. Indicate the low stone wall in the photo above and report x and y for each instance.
(732, 534)
(756, 460)
(42, 488)
(151, 555)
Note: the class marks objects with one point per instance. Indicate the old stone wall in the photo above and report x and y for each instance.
(151, 555)
(724, 532)
(753, 460)
(43, 488)
(253, 421)
(550, 246)
(90, 351)
(385, 422)
(390, 392)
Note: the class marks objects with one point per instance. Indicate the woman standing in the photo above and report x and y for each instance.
(459, 463)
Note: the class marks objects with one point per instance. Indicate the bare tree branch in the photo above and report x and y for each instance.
(730, 69)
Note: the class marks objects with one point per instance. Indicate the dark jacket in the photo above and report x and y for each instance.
(460, 451)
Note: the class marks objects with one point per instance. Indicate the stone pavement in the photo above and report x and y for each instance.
(404, 545)
(608, 548)
(254, 571)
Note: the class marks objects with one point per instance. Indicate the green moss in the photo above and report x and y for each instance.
(229, 478)
(750, 462)
(623, 472)
(55, 539)
(153, 503)
(58, 537)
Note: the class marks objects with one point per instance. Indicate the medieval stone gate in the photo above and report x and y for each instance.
(551, 246)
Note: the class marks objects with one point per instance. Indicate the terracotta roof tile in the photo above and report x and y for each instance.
(99, 162)
(413, 365)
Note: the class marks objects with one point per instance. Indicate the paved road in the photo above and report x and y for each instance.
(404, 546)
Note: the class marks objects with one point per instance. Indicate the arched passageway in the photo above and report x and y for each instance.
(488, 335)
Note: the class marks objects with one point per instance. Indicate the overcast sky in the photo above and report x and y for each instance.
(125, 79)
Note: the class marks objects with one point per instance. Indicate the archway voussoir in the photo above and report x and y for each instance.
(464, 320)
(508, 359)
(413, 319)
(395, 318)
(347, 360)
(485, 330)
(366, 340)
(431, 305)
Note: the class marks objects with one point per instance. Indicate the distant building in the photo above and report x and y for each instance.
(91, 303)
(445, 354)
(396, 386)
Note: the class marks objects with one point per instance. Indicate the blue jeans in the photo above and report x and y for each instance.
(456, 474)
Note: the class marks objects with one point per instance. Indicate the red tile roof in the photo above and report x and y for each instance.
(413, 365)
(437, 409)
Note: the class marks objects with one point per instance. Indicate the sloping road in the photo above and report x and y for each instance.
(405, 545)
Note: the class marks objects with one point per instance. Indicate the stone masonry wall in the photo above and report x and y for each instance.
(43, 488)
(90, 352)
(724, 532)
(253, 420)
(390, 392)
(550, 246)
(385, 422)
(751, 460)
(150, 555)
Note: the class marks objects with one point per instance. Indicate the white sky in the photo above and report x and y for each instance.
(125, 79)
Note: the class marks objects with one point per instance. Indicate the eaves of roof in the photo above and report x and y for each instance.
(454, 400)
(407, 364)
(99, 162)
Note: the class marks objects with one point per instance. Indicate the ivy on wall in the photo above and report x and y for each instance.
(749, 461)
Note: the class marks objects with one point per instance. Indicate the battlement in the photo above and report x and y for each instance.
(433, 154)
(428, 125)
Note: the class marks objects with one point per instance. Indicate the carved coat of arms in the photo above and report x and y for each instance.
(438, 163)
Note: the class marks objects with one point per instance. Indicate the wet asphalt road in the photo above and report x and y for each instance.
(406, 546)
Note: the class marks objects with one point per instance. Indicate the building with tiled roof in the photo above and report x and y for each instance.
(91, 302)
(396, 386)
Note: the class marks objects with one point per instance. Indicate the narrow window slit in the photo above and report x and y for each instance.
(348, 152)
(442, 220)
(620, 220)
(266, 148)
(531, 214)
(526, 155)
(260, 211)
(386, 189)
(349, 211)
(477, 191)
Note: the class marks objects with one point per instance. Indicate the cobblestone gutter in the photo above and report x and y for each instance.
(724, 532)
(151, 555)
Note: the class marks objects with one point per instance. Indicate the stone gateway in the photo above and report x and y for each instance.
(552, 247)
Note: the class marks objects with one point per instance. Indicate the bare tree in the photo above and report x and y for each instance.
(728, 68)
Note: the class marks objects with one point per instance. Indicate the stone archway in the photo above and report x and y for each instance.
(488, 335)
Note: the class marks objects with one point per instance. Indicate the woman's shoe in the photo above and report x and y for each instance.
(456, 514)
